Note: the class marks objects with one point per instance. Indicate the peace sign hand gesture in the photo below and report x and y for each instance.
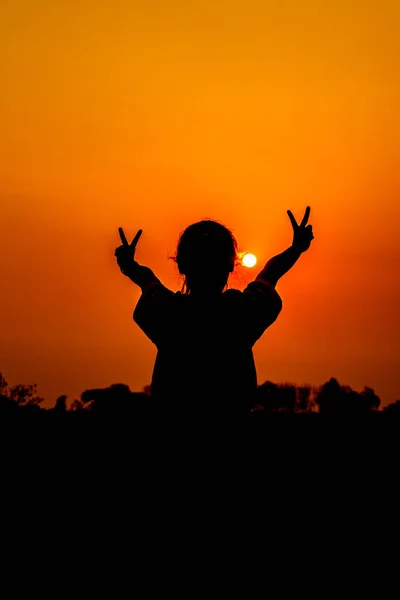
(302, 234)
(126, 253)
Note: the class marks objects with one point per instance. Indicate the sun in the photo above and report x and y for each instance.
(249, 260)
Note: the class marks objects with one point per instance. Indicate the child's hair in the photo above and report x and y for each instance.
(206, 254)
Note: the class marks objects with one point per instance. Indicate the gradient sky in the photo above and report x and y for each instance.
(157, 114)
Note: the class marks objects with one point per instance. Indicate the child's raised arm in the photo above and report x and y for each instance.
(280, 264)
(142, 276)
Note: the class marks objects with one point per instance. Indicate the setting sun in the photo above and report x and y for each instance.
(249, 260)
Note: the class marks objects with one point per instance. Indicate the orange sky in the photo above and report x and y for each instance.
(155, 115)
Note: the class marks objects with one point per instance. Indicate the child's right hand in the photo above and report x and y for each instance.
(126, 253)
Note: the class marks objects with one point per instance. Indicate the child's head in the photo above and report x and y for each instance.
(206, 255)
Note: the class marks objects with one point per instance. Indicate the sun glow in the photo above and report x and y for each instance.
(249, 260)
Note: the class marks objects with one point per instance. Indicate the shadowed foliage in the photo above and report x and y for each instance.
(117, 400)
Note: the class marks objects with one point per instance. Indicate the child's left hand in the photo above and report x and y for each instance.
(302, 234)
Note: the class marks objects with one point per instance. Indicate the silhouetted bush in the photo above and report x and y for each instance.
(119, 401)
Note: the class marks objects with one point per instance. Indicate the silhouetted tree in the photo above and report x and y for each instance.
(393, 409)
(60, 407)
(334, 399)
(267, 396)
(6, 405)
(19, 396)
(305, 402)
(77, 405)
(116, 399)
(25, 395)
(147, 390)
(287, 397)
(372, 401)
(274, 397)
(328, 397)
(3, 385)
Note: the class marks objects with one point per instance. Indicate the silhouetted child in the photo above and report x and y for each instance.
(205, 333)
